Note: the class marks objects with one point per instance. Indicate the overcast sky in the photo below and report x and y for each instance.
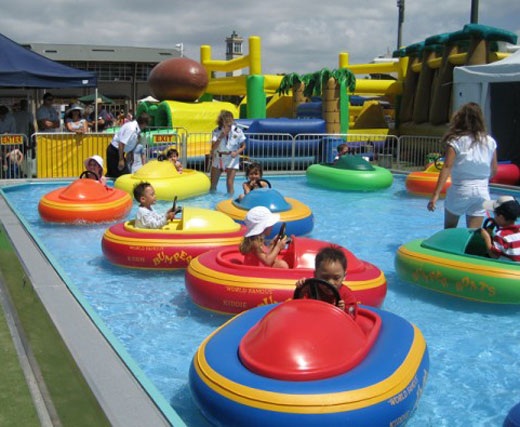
(297, 35)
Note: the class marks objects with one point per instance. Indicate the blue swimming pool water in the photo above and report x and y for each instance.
(474, 348)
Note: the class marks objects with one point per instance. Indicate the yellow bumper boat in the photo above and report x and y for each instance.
(166, 181)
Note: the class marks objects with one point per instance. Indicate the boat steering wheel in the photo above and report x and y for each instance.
(87, 173)
(318, 289)
(176, 209)
(321, 290)
(489, 224)
(259, 183)
(281, 233)
(439, 163)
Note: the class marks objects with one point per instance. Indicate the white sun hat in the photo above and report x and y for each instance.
(491, 205)
(258, 219)
(96, 158)
(74, 107)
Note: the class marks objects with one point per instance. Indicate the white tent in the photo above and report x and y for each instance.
(496, 88)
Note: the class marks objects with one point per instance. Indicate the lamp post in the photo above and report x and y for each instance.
(400, 20)
(180, 46)
(474, 12)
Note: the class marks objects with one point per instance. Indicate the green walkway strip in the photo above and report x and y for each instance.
(15, 399)
(72, 398)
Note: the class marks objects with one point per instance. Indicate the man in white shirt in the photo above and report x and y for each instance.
(47, 116)
(124, 142)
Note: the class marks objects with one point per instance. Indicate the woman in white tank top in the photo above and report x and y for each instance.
(471, 160)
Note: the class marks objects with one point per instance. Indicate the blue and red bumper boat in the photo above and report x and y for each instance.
(306, 362)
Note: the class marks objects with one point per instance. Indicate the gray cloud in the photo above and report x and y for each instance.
(297, 36)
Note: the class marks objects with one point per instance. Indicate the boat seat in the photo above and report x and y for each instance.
(476, 246)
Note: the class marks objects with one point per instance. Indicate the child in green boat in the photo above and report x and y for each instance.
(342, 149)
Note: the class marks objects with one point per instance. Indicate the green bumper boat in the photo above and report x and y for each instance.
(454, 262)
(349, 173)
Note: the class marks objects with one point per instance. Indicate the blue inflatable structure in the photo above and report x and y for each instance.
(270, 142)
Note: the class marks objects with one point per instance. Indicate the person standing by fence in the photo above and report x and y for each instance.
(24, 120)
(227, 142)
(47, 116)
(124, 141)
(7, 123)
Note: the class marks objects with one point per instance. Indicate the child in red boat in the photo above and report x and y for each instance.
(506, 241)
(259, 222)
(254, 179)
(95, 164)
(330, 265)
(146, 217)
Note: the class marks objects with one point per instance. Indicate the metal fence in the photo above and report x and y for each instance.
(288, 153)
(63, 154)
(414, 152)
(158, 140)
(15, 155)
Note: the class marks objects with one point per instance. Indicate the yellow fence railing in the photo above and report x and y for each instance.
(62, 155)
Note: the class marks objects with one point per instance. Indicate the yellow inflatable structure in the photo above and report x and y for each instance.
(194, 117)
(423, 74)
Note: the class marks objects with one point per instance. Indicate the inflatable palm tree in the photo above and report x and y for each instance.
(333, 86)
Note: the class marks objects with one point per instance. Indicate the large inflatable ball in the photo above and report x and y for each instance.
(180, 79)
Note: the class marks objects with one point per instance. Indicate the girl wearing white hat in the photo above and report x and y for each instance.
(95, 164)
(259, 222)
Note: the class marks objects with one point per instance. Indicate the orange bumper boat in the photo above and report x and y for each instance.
(85, 200)
(423, 183)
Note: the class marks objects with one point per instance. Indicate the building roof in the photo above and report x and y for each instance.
(101, 53)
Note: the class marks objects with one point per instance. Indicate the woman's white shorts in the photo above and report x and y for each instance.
(466, 200)
(225, 162)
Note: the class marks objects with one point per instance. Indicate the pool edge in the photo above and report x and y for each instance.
(126, 395)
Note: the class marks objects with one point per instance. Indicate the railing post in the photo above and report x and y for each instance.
(184, 148)
(398, 153)
(293, 153)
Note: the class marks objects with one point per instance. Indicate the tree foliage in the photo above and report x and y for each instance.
(314, 82)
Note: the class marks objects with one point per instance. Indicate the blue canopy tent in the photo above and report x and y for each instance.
(20, 67)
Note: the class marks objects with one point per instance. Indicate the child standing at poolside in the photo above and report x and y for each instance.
(259, 222)
(146, 217)
(330, 265)
(254, 179)
(173, 156)
(506, 241)
(138, 158)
